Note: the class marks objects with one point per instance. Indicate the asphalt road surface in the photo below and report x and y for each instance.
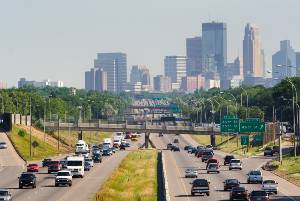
(179, 186)
(83, 189)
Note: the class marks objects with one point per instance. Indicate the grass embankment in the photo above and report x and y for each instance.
(134, 180)
(228, 144)
(22, 145)
(289, 170)
(70, 138)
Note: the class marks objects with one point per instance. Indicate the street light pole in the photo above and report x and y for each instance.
(212, 135)
(246, 100)
(30, 140)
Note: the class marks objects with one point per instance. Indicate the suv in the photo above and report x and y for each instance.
(231, 183)
(63, 177)
(200, 186)
(239, 193)
(227, 159)
(27, 179)
(213, 167)
(169, 146)
(211, 160)
(235, 164)
(3, 145)
(206, 155)
(270, 186)
(97, 158)
(54, 166)
(5, 195)
(46, 162)
(255, 176)
(268, 151)
(258, 195)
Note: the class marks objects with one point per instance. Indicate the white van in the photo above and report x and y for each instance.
(75, 164)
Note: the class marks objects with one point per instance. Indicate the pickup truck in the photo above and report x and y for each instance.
(54, 166)
(63, 177)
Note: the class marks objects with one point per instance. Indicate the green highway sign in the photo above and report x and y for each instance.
(230, 117)
(244, 140)
(258, 137)
(253, 120)
(252, 127)
(230, 125)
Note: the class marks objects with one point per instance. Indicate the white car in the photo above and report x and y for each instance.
(3, 145)
(90, 161)
(235, 164)
(255, 176)
(63, 177)
(191, 173)
(270, 186)
(213, 167)
(5, 195)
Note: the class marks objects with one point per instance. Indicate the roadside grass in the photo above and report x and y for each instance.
(70, 138)
(22, 145)
(228, 144)
(290, 169)
(134, 180)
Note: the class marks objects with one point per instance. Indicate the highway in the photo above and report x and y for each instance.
(82, 189)
(179, 186)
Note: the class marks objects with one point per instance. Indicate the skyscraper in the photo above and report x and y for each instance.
(214, 47)
(162, 83)
(194, 55)
(175, 68)
(252, 61)
(115, 65)
(140, 73)
(96, 80)
(298, 63)
(284, 61)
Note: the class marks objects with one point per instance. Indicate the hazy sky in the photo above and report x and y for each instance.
(59, 39)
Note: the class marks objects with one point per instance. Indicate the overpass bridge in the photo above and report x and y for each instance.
(146, 128)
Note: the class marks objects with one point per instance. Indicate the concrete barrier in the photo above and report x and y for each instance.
(165, 180)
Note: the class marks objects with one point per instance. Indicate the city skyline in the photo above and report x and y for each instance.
(44, 36)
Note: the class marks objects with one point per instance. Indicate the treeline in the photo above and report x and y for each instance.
(65, 103)
(266, 103)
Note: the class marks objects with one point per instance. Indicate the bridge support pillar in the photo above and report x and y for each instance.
(212, 137)
(147, 135)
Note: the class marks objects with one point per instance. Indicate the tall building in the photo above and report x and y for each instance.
(175, 68)
(96, 80)
(140, 73)
(162, 83)
(115, 65)
(284, 61)
(231, 70)
(3, 85)
(214, 47)
(89, 80)
(192, 83)
(23, 82)
(194, 56)
(252, 60)
(298, 63)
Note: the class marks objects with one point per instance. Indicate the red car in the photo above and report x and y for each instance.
(54, 166)
(32, 168)
(259, 195)
(212, 160)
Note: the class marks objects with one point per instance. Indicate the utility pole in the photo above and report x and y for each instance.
(30, 140)
(58, 133)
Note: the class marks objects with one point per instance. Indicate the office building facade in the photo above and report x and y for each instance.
(175, 68)
(96, 80)
(194, 56)
(140, 73)
(162, 83)
(298, 63)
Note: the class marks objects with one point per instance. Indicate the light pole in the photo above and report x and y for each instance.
(246, 100)
(212, 135)
(236, 107)
(30, 136)
(45, 113)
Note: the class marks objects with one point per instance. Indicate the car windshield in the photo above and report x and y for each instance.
(239, 189)
(258, 193)
(268, 148)
(235, 161)
(63, 174)
(232, 181)
(269, 182)
(74, 163)
(3, 193)
(213, 165)
(207, 153)
(229, 157)
(200, 182)
(2, 142)
(255, 173)
(88, 160)
(27, 176)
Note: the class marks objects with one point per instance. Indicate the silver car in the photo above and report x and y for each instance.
(255, 176)
(5, 195)
(3, 145)
(270, 186)
(191, 173)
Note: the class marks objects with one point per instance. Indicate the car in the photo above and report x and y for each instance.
(97, 158)
(212, 160)
(258, 195)
(5, 195)
(200, 152)
(231, 183)
(268, 151)
(87, 166)
(160, 134)
(206, 155)
(175, 148)
(32, 167)
(169, 146)
(96, 151)
(27, 179)
(227, 159)
(200, 186)
(235, 164)
(90, 161)
(54, 166)
(63, 164)
(213, 167)
(191, 173)
(127, 144)
(238, 193)
(46, 162)
(176, 140)
(187, 147)
(255, 176)
(209, 146)
(122, 147)
(3, 145)
(107, 152)
(63, 177)
(270, 186)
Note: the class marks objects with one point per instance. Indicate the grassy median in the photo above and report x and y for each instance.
(134, 180)
(22, 146)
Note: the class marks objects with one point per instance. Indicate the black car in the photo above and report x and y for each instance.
(227, 159)
(46, 162)
(169, 146)
(97, 158)
(200, 186)
(239, 193)
(27, 179)
(175, 148)
(231, 183)
(206, 155)
(87, 166)
(122, 147)
(187, 147)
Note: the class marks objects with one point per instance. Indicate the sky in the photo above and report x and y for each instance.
(59, 39)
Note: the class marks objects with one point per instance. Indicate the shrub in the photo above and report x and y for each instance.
(22, 133)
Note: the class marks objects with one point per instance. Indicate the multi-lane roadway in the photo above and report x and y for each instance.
(180, 187)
